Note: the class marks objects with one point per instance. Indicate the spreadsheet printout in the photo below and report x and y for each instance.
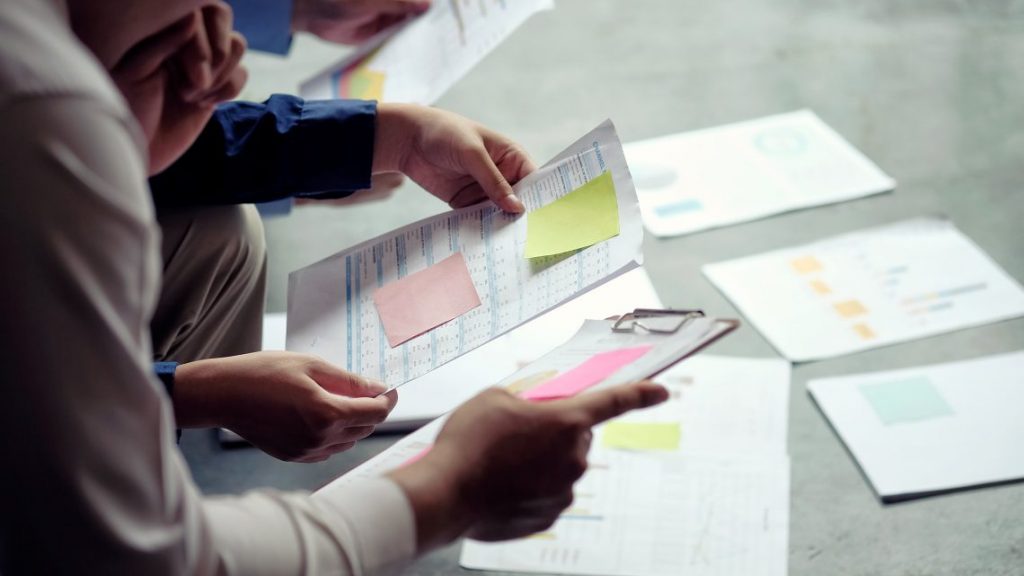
(421, 60)
(331, 312)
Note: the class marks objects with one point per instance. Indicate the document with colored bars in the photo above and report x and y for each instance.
(331, 304)
(420, 61)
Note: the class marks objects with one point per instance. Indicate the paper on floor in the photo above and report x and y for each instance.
(745, 171)
(867, 289)
(931, 429)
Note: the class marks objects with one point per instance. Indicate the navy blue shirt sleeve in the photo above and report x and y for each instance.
(266, 24)
(283, 147)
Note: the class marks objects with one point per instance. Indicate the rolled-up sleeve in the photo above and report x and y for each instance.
(281, 148)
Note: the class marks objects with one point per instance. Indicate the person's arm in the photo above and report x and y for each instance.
(284, 147)
(87, 436)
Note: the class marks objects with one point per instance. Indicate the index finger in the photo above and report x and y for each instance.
(607, 404)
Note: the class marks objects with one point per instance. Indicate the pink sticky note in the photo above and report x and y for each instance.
(417, 456)
(590, 372)
(426, 299)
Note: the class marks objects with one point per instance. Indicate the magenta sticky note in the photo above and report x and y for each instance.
(590, 372)
(426, 299)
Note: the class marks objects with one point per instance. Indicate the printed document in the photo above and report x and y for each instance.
(332, 310)
(866, 289)
(932, 429)
(745, 171)
(421, 60)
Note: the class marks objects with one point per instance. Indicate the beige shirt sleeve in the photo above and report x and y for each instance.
(92, 481)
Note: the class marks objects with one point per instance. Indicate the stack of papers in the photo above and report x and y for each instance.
(400, 305)
(419, 62)
(867, 289)
(932, 429)
(748, 170)
(698, 485)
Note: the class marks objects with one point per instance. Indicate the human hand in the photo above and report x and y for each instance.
(352, 21)
(455, 159)
(292, 406)
(173, 79)
(504, 468)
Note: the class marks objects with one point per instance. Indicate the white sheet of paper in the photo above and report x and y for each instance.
(427, 56)
(441, 390)
(867, 289)
(745, 171)
(330, 307)
(724, 405)
(718, 506)
(931, 429)
(637, 515)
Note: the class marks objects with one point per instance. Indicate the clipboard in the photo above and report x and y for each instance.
(635, 346)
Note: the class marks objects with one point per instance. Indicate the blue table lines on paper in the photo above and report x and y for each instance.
(487, 216)
(402, 259)
(359, 307)
(382, 337)
(427, 237)
(348, 310)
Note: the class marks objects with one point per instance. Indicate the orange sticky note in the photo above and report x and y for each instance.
(426, 299)
(587, 374)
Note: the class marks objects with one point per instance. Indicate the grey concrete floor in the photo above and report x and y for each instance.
(933, 91)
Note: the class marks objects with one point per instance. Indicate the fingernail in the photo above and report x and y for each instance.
(514, 204)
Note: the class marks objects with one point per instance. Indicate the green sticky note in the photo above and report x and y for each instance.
(641, 435)
(581, 218)
(902, 401)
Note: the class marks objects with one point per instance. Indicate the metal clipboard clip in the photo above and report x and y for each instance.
(654, 321)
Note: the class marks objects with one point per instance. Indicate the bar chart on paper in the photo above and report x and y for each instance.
(424, 58)
(862, 290)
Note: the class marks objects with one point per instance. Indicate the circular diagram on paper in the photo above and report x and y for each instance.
(783, 141)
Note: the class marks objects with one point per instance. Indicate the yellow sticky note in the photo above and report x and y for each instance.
(581, 218)
(367, 84)
(641, 435)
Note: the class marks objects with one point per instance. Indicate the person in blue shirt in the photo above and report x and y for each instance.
(268, 25)
(206, 329)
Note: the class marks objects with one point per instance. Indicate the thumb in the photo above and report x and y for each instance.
(607, 404)
(490, 179)
(344, 383)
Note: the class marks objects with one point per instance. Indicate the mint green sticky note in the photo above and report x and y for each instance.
(902, 401)
(581, 218)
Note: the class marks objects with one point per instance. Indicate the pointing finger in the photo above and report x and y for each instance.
(607, 404)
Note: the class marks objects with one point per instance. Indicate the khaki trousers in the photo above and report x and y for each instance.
(214, 283)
